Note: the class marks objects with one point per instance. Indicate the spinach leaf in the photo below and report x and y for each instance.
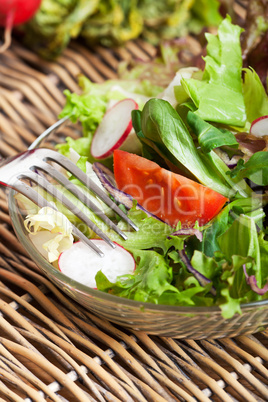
(162, 125)
(210, 137)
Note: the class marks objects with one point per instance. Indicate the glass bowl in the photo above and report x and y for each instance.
(161, 320)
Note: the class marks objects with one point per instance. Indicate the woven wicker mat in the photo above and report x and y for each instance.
(53, 349)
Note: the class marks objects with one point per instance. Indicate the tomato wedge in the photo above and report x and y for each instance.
(168, 195)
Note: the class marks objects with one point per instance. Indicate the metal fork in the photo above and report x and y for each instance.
(25, 166)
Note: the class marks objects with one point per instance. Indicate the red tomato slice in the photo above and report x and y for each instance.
(168, 195)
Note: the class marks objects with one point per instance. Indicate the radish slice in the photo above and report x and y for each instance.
(114, 129)
(259, 127)
(82, 264)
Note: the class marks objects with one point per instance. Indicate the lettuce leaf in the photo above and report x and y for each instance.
(152, 282)
(255, 169)
(218, 96)
(247, 245)
(210, 137)
(152, 278)
(256, 99)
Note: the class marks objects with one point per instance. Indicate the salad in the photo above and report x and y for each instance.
(189, 165)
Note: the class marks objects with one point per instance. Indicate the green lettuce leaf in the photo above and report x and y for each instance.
(205, 12)
(247, 245)
(255, 169)
(80, 145)
(210, 137)
(88, 108)
(221, 223)
(256, 99)
(218, 96)
(152, 282)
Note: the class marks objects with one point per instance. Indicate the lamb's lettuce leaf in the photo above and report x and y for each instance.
(218, 96)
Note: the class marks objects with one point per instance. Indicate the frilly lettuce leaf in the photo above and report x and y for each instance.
(152, 278)
(151, 282)
(255, 169)
(218, 96)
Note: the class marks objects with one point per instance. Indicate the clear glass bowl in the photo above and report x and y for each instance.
(162, 320)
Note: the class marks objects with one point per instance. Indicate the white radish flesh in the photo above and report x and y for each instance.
(82, 264)
(114, 129)
(259, 127)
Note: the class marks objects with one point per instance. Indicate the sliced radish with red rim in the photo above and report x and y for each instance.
(259, 127)
(114, 129)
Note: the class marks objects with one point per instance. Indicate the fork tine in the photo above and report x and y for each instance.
(52, 190)
(55, 174)
(39, 200)
(80, 175)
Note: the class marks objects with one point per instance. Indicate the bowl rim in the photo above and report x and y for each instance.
(41, 261)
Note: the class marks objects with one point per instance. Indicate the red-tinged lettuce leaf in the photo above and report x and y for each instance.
(188, 232)
(258, 59)
(255, 38)
(252, 282)
(249, 144)
(202, 279)
(256, 24)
